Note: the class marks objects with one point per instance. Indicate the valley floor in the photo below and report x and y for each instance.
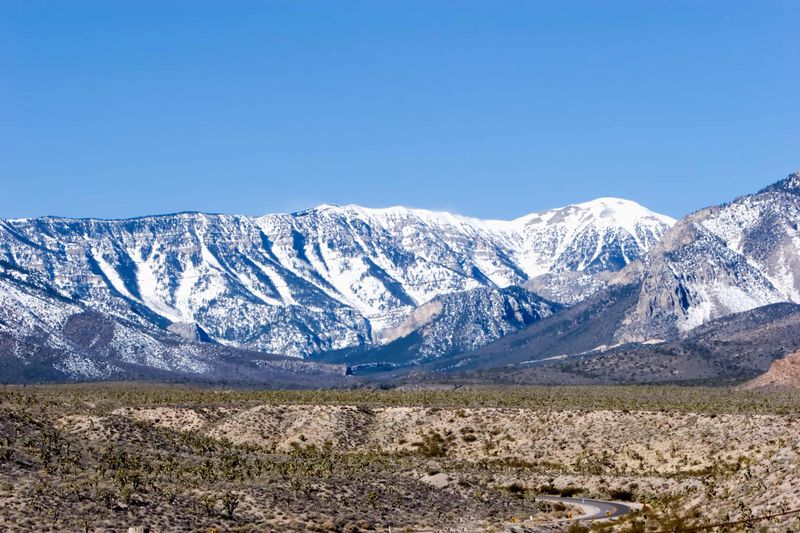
(105, 457)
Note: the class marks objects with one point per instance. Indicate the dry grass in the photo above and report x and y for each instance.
(100, 457)
(102, 397)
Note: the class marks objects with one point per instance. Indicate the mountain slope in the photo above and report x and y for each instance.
(764, 227)
(583, 327)
(721, 260)
(447, 325)
(309, 282)
(735, 262)
(725, 350)
(784, 372)
(44, 337)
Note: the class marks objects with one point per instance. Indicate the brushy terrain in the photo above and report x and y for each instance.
(104, 457)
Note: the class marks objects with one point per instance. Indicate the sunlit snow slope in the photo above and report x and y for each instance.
(721, 260)
(317, 280)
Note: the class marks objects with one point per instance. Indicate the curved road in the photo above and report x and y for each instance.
(594, 509)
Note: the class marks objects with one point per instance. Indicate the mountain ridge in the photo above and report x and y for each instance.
(395, 287)
(720, 260)
(321, 279)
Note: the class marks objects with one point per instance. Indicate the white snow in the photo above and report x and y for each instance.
(195, 268)
(719, 299)
(112, 275)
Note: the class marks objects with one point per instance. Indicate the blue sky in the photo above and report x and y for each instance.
(487, 108)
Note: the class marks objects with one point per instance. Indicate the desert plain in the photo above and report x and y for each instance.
(107, 457)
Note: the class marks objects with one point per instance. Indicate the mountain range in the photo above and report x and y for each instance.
(714, 299)
(296, 298)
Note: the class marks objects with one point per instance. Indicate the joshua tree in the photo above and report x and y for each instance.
(208, 502)
(230, 502)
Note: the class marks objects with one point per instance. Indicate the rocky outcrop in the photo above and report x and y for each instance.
(782, 373)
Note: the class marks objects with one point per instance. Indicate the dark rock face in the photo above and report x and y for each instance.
(723, 351)
(583, 327)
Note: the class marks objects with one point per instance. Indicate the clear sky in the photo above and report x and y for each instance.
(487, 108)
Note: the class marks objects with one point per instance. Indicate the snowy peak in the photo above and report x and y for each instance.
(623, 212)
(322, 279)
(619, 212)
(613, 210)
(603, 214)
(601, 235)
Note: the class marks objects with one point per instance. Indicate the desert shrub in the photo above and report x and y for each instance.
(672, 516)
(170, 495)
(575, 527)
(543, 506)
(594, 463)
(432, 445)
(516, 489)
(209, 503)
(107, 497)
(230, 502)
(631, 398)
(549, 489)
(622, 495)
(432, 469)
(126, 494)
(569, 492)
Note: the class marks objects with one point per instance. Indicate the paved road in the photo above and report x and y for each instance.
(594, 509)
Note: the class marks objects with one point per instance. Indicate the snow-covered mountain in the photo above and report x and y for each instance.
(721, 260)
(318, 280)
(671, 315)
(447, 325)
(46, 337)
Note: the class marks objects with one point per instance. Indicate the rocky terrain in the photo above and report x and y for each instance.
(448, 325)
(708, 303)
(44, 337)
(102, 458)
(713, 301)
(784, 372)
(725, 351)
(721, 260)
